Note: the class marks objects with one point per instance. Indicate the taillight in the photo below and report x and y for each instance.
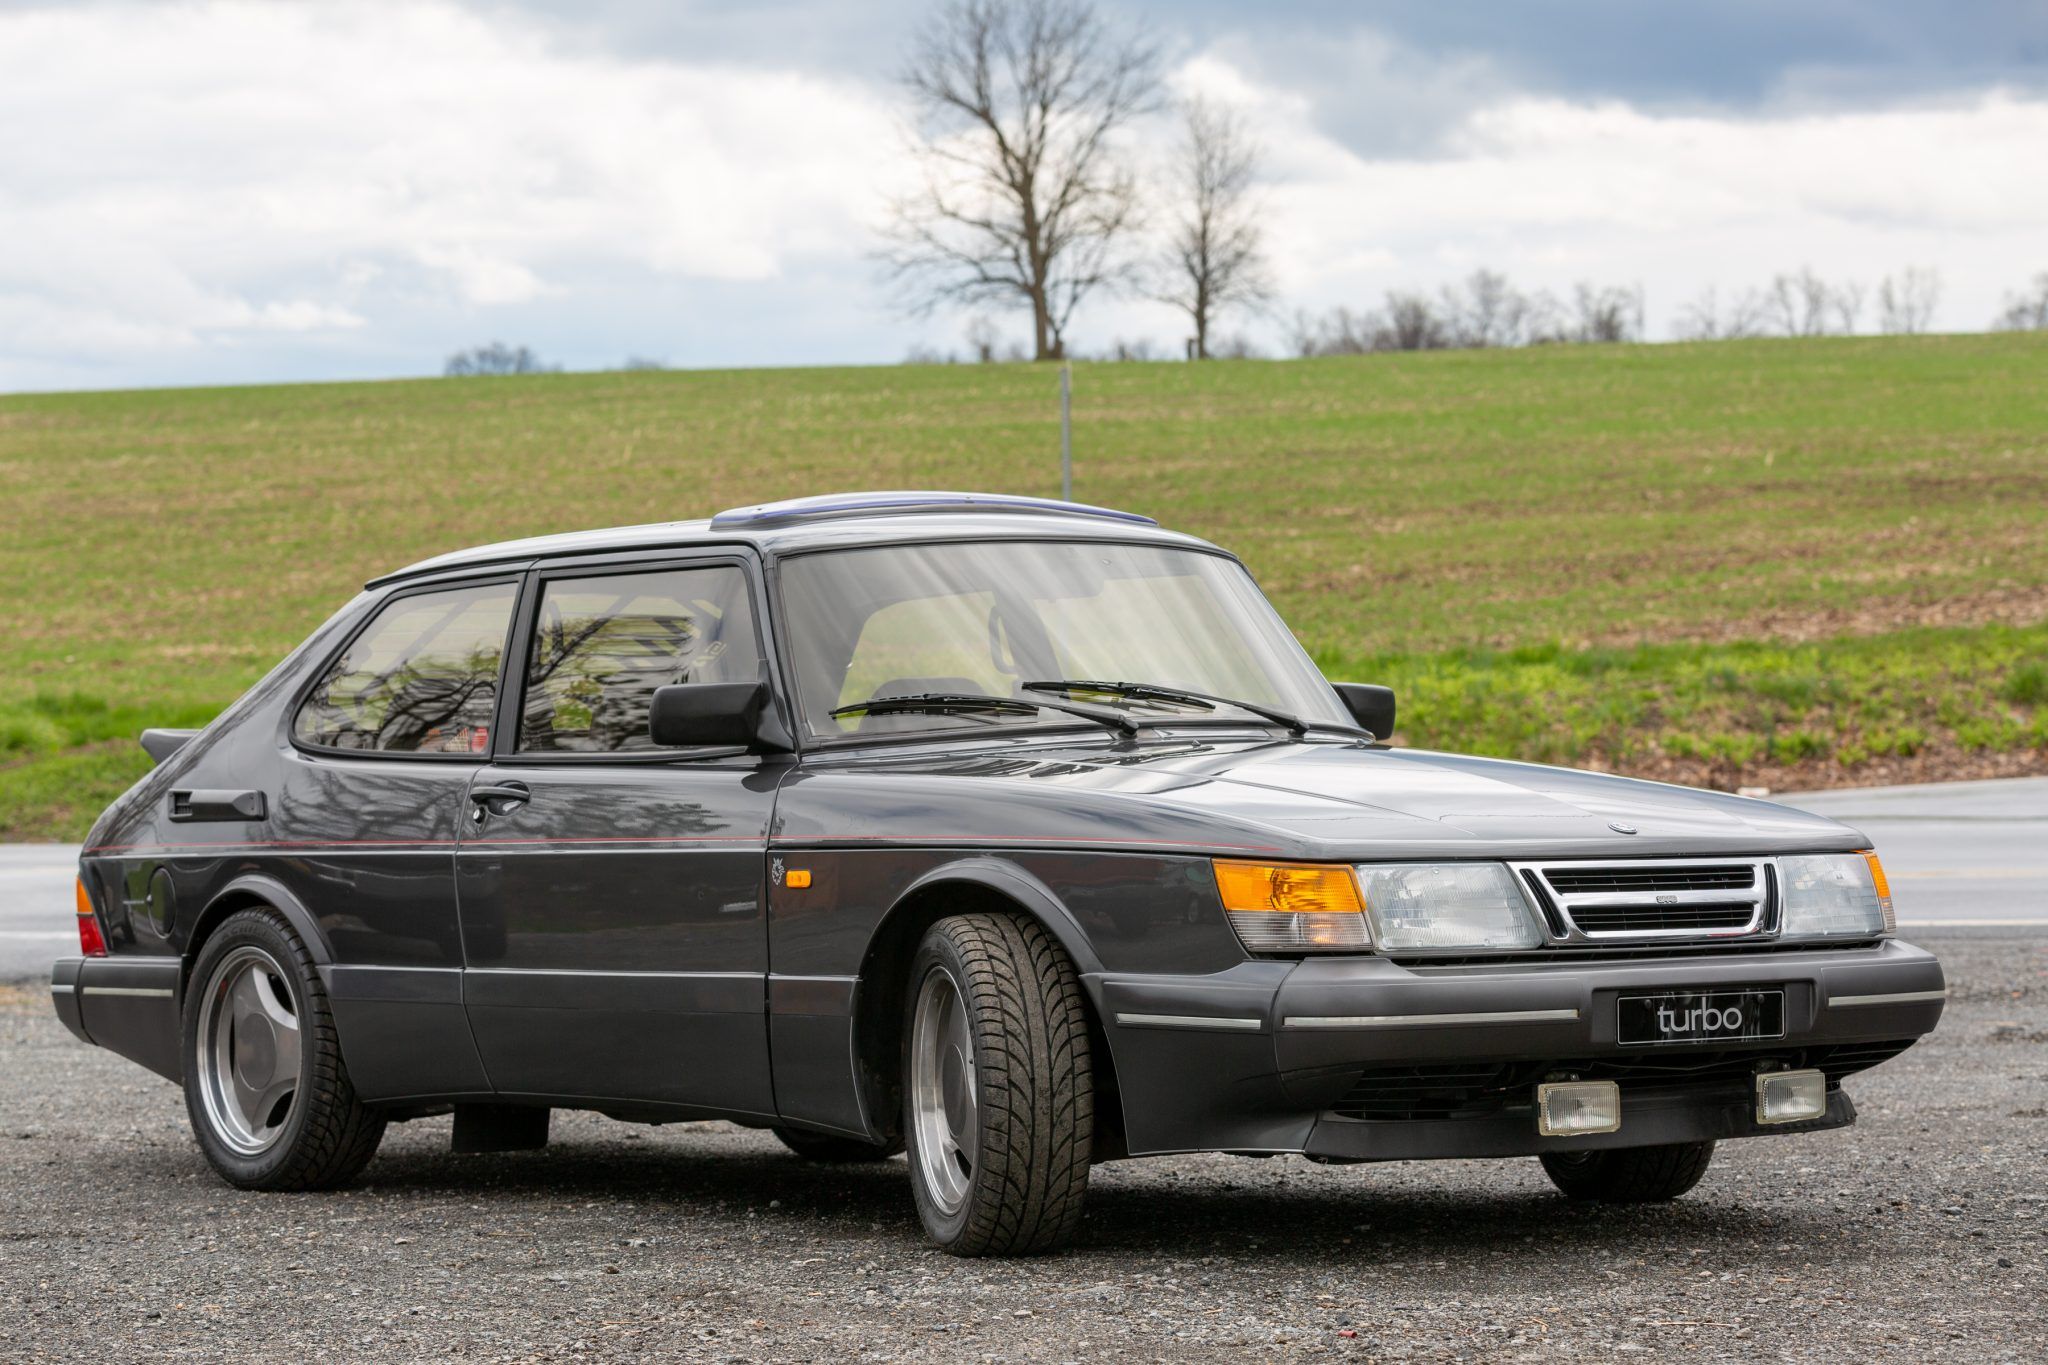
(89, 941)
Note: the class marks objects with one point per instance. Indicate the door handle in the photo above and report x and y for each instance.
(195, 804)
(497, 798)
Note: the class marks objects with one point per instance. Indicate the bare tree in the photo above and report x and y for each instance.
(1213, 258)
(2026, 311)
(1845, 301)
(983, 341)
(1410, 323)
(1905, 302)
(1798, 304)
(1487, 311)
(1026, 197)
(1602, 313)
(1704, 319)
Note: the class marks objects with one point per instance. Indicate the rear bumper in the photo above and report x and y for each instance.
(1269, 1056)
(127, 1005)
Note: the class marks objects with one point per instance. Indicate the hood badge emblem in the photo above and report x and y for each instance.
(1621, 827)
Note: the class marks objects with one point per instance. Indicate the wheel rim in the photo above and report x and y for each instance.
(943, 1099)
(248, 1050)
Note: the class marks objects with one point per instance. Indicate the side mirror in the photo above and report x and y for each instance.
(714, 715)
(1371, 705)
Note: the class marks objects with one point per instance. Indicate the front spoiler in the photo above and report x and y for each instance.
(1254, 1058)
(1648, 1119)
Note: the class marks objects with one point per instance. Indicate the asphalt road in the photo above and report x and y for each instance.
(36, 908)
(1958, 853)
(1955, 852)
(1920, 1234)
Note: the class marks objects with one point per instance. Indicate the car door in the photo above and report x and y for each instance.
(610, 893)
(370, 798)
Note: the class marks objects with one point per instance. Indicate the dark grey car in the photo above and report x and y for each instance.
(1021, 835)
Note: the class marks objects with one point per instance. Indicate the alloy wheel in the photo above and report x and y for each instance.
(944, 1101)
(248, 1050)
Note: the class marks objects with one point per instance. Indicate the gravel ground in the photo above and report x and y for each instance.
(1912, 1236)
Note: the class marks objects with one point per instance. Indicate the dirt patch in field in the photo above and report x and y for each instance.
(2006, 606)
(1936, 763)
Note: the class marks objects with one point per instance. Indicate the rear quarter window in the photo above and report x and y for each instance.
(421, 678)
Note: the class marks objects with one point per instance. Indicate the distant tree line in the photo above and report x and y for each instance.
(1483, 310)
(1804, 304)
(495, 358)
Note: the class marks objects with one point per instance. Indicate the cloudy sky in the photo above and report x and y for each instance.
(240, 192)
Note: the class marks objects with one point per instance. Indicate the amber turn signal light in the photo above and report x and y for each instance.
(1288, 888)
(1293, 907)
(1884, 890)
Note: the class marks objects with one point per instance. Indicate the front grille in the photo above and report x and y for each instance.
(1650, 877)
(1454, 1090)
(1615, 919)
(1650, 900)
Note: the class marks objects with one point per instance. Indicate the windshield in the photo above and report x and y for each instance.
(982, 619)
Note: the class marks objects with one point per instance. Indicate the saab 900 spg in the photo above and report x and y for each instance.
(1017, 834)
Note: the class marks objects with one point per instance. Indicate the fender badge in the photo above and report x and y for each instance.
(1621, 827)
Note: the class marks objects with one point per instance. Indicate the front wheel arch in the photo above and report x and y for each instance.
(964, 887)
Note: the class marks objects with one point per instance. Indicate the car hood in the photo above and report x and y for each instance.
(1322, 799)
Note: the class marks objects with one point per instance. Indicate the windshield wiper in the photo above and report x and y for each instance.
(959, 703)
(1294, 725)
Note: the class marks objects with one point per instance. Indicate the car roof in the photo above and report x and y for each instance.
(832, 521)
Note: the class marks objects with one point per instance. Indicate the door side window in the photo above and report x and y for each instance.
(421, 678)
(602, 645)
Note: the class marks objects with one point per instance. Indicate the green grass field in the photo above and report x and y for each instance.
(1780, 561)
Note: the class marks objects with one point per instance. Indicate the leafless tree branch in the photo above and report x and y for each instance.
(1214, 258)
(1026, 198)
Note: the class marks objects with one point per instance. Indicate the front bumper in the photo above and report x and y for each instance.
(1274, 1056)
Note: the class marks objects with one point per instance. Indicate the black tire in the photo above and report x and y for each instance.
(1024, 1148)
(828, 1147)
(325, 1135)
(1629, 1175)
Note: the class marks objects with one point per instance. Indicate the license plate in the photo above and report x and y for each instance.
(1704, 1017)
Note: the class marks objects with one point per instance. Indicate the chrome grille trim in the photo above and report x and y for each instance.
(1707, 899)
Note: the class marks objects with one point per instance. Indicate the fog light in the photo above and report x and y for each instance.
(1574, 1107)
(1791, 1096)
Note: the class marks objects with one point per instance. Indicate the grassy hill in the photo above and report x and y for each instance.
(1780, 561)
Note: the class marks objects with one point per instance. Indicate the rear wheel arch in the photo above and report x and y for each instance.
(247, 892)
(986, 885)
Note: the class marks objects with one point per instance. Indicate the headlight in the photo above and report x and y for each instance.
(1447, 906)
(1835, 895)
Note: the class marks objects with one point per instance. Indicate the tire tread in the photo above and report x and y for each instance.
(1034, 1082)
(1633, 1175)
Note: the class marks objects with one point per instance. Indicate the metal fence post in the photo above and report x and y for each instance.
(1066, 431)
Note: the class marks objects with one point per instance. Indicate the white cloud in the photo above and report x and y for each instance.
(181, 175)
(238, 191)
(1553, 192)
